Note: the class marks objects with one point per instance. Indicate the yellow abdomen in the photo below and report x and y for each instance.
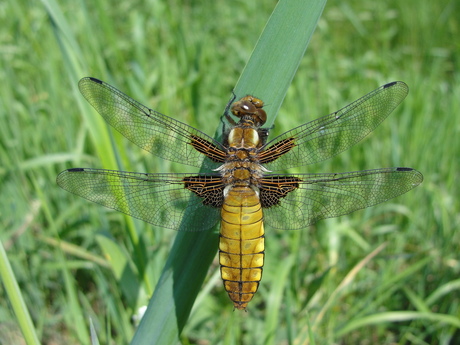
(241, 247)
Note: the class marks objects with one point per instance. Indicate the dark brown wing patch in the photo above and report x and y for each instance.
(207, 148)
(273, 188)
(276, 150)
(209, 188)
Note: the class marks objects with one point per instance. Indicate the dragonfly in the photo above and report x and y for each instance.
(239, 188)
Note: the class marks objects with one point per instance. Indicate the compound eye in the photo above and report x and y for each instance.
(258, 103)
(261, 117)
(243, 107)
(250, 106)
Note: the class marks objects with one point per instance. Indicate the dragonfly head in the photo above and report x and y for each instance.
(250, 108)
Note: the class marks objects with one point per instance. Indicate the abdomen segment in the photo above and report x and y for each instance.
(241, 247)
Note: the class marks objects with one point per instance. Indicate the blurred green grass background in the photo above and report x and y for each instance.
(74, 260)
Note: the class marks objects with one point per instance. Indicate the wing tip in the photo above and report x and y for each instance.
(92, 79)
(75, 169)
(95, 80)
(418, 176)
(401, 84)
(389, 84)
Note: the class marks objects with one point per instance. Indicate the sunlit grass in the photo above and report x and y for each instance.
(74, 260)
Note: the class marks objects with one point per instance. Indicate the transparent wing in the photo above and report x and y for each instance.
(321, 196)
(158, 199)
(161, 135)
(329, 135)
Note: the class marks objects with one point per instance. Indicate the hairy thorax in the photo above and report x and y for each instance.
(242, 167)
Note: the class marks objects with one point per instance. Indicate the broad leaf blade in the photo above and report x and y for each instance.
(267, 75)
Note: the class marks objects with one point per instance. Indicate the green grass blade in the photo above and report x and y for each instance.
(267, 75)
(75, 313)
(275, 303)
(399, 316)
(443, 290)
(278, 53)
(16, 300)
(72, 58)
(346, 282)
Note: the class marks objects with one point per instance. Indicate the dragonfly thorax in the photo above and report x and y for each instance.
(242, 165)
(242, 137)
